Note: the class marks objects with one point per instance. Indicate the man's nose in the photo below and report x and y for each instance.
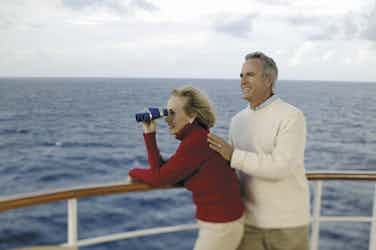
(243, 80)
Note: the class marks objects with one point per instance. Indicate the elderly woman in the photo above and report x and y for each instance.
(214, 185)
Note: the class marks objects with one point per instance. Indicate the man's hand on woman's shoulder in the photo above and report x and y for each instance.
(221, 146)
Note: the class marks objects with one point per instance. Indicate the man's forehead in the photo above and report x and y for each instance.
(253, 63)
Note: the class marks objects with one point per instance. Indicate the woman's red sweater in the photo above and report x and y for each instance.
(213, 183)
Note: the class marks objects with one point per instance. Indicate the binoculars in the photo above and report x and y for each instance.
(151, 114)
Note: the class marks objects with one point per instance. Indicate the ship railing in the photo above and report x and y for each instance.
(73, 195)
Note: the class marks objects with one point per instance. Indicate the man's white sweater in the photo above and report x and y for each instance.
(269, 153)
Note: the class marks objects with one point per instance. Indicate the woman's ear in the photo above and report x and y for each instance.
(192, 118)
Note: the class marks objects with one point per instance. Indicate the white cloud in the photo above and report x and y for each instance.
(301, 53)
(328, 55)
(165, 38)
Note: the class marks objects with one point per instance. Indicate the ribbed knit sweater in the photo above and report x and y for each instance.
(213, 183)
(269, 153)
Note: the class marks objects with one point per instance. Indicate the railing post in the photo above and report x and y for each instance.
(372, 236)
(72, 222)
(315, 235)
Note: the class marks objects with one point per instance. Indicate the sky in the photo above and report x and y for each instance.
(309, 39)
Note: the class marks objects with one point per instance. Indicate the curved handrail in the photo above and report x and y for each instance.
(13, 202)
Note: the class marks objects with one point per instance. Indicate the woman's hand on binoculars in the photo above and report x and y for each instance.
(149, 127)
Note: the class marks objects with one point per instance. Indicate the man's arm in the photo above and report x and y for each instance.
(287, 154)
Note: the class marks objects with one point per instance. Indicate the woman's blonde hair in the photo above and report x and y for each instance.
(197, 103)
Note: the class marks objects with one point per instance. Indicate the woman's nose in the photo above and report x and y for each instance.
(168, 119)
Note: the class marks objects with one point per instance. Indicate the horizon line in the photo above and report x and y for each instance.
(192, 78)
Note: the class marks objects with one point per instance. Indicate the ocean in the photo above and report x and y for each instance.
(68, 132)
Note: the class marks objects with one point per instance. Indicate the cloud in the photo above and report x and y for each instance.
(328, 55)
(320, 28)
(369, 31)
(301, 20)
(144, 5)
(301, 53)
(314, 27)
(5, 22)
(117, 6)
(276, 2)
(329, 32)
(233, 25)
(351, 27)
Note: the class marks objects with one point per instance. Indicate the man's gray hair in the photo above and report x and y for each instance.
(269, 66)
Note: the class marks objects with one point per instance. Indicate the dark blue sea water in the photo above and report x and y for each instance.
(67, 132)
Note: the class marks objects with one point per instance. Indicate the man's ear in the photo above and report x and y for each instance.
(269, 80)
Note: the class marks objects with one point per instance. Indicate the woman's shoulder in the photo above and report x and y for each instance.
(198, 136)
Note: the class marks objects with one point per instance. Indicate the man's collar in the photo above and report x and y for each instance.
(266, 102)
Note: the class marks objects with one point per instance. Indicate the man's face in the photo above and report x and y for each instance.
(253, 84)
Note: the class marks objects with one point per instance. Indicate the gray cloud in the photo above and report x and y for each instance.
(143, 4)
(5, 22)
(80, 4)
(314, 27)
(328, 32)
(369, 31)
(303, 20)
(351, 27)
(122, 7)
(346, 27)
(234, 26)
(276, 2)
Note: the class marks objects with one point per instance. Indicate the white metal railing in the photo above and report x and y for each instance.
(72, 222)
(372, 244)
(316, 219)
(73, 229)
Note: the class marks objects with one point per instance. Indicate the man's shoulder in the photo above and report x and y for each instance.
(241, 114)
(286, 108)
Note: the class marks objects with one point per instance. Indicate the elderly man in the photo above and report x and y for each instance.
(266, 146)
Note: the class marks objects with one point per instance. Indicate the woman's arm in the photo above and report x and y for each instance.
(190, 155)
(154, 157)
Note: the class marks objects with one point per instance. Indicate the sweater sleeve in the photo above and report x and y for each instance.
(154, 157)
(287, 154)
(230, 138)
(190, 155)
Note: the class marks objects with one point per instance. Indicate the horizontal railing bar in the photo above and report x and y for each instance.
(344, 219)
(342, 175)
(13, 202)
(134, 234)
(187, 227)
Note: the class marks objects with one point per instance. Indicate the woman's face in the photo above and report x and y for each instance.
(177, 118)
